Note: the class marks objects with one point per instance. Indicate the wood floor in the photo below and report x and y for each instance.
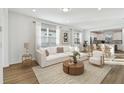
(115, 76)
(23, 74)
(20, 74)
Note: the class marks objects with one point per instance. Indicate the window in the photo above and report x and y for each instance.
(48, 35)
(76, 38)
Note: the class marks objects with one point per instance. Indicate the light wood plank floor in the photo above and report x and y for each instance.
(23, 74)
(20, 74)
(115, 76)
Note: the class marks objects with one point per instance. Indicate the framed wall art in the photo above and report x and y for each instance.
(65, 37)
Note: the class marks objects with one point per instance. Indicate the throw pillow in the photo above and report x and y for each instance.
(47, 53)
(60, 50)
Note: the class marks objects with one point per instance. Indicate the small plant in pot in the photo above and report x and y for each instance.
(75, 56)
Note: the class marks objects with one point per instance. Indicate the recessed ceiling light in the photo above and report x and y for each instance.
(65, 9)
(99, 9)
(33, 10)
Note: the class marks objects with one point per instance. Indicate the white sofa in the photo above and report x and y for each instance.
(55, 57)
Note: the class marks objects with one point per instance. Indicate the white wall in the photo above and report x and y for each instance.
(0, 35)
(117, 36)
(3, 41)
(5, 37)
(62, 29)
(21, 29)
(1, 70)
(69, 37)
(122, 39)
(58, 36)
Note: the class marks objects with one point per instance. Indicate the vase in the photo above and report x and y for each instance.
(75, 60)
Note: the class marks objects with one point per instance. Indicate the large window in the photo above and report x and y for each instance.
(48, 35)
(76, 38)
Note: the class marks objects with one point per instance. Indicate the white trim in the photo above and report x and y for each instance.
(14, 61)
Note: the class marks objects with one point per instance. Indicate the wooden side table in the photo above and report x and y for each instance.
(26, 57)
(76, 69)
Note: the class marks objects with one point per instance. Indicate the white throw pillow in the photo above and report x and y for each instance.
(66, 48)
(42, 50)
(51, 50)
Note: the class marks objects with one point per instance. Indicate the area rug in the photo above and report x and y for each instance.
(54, 74)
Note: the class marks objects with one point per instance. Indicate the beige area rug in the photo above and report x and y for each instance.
(119, 58)
(54, 74)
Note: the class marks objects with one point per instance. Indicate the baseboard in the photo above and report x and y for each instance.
(18, 61)
(6, 65)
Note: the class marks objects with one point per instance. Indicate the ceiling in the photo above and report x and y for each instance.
(82, 18)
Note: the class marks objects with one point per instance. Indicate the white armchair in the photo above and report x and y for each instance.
(94, 47)
(97, 58)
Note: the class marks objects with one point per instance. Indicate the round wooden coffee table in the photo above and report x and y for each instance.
(73, 69)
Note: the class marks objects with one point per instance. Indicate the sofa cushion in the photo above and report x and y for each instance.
(51, 50)
(47, 53)
(60, 50)
(69, 53)
(66, 48)
(56, 56)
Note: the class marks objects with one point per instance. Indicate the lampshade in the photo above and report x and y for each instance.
(26, 45)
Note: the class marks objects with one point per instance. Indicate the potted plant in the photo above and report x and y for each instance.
(75, 56)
